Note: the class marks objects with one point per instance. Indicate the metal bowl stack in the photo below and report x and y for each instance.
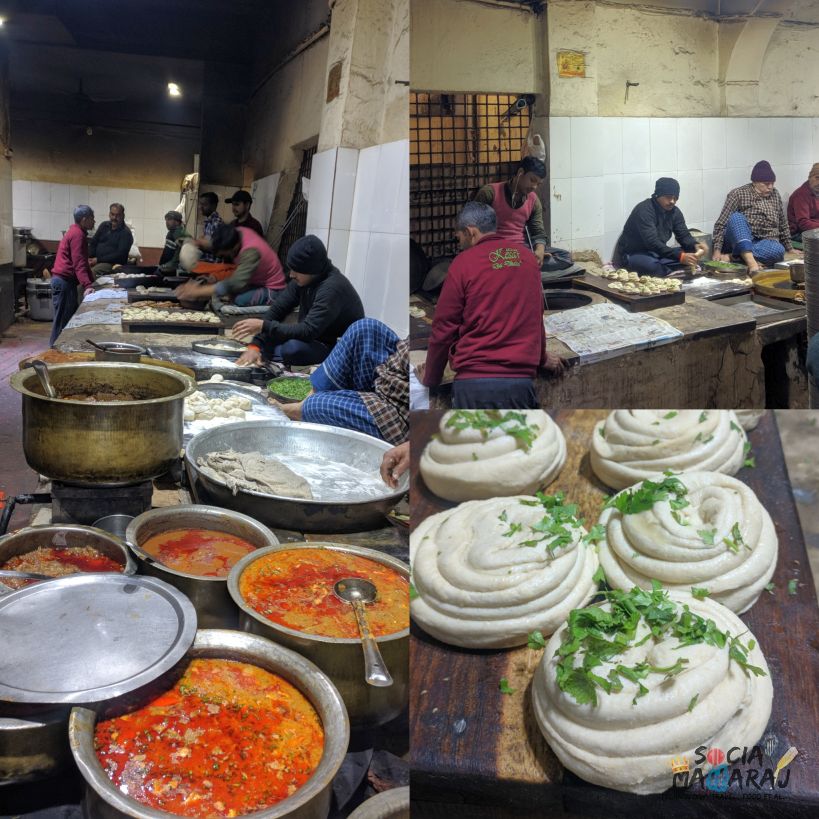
(810, 242)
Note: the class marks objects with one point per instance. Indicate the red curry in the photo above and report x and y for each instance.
(59, 562)
(294, 588)
(228, 739)
(203, 552)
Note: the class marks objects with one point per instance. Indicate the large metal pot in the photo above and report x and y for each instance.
(209, 595)
(112, 443)
(119, 352)
(391, 804)
(311, 801)
(65, 535)
(341, 659)
(315, 441)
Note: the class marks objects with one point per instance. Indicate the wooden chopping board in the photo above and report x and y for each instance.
(633, 303)
(481, 750)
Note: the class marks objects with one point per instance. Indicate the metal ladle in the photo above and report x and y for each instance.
(41, 369)
(12, 573)
(357, 592)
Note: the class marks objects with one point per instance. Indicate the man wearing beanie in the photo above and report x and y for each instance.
(803, 206)
(643, 244)
(328, 304)
(752, 225)
(169, 260)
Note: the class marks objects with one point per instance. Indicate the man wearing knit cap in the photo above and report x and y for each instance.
(169, 260)
(752, 225)
(643, 244)
(328, 304)
(803, 206)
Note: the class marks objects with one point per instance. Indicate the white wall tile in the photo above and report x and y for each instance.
(636, 187)
(356, 262)
(612, 147)
(560, 148)
(98, 200)
(788, 179)
(690, 202)
(21, 193)
(561, 212)
(587, 207)
(40, 197)
(802, 143)
(77, 195)
(59, 198)
(136, 204)
(337, 248)
(59, 223)
(22, 218)
(153, 204)
(738, 143)
(391, 207)
(322, 233)
(609, 242)
(386, 291)
(734, 177)
(170, 200)
(636, 145)
(41, 224)
(320, 199)
(596, 243)
(713, 142)
(614, 216)
(689, 144)
(587, 138)
(344, 189)
(663, 136)
(138, 230)
(714, 190)
(815, 136)
(366, 189)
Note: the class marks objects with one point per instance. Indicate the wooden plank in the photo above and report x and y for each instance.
(634, 303)
(474, 745)
(173, 327)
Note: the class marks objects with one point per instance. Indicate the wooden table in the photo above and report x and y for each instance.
(478, 752)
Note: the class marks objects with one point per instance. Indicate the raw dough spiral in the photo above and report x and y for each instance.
(479, 587)
(748, 419)
(469, 464)
(631, 445)
(628, 746)
(665, 544)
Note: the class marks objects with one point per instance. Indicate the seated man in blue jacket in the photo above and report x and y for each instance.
(642, 245)
(111, 243)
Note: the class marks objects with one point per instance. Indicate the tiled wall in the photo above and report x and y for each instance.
(359, 206)
(601, 167)
(46, 207)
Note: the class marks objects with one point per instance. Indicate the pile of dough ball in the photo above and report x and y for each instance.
(472, 463)
(153, 314)
(626, 742)
(630, 282)
(480, 584)
(199, 407)
(632, 445)
(722, 540)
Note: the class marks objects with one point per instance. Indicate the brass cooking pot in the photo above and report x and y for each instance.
(112, 443)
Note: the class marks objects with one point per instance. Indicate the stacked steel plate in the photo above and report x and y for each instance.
(810, 241)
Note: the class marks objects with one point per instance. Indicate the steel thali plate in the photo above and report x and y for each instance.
(86, 638)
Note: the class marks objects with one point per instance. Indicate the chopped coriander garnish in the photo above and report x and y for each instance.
(671, 414)
(736, 428)
(655, 441)
(693, 702)
(503, 685)
(485, 421)
(602, 431)
(413, 592)
(750, 459)
(699, 592)
(503, 516)
(792, 587)
(679, 518)
(738, 653)
(703, 417)
(599, 576)
(770, 588)
(643, 497)
(596, 534)
(707, 536)
(555, 526)
(474, 456)
(735, 541)
(536, 640)
(514, 528)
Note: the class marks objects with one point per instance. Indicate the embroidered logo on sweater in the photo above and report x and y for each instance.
(504, 257)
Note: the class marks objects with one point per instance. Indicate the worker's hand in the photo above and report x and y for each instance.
(190, 290)
(722, 257)
(88, 290)
(540, 253)
(420, 369)
(691, 259)
(554, 365)
(702, 248)
(249, 356)
(92, 260)
(292, 411)
(247, 328)
(395, 463)
(794, 254)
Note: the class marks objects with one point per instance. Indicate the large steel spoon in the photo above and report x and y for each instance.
(41, 369)
(357, 592)
(12, 573)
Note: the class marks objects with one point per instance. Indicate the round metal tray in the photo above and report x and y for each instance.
(86, 638)
(201, 347)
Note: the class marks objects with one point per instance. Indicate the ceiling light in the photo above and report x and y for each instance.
(2, 21)
(174, 90)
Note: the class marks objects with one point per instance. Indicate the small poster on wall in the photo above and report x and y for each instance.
(571, 64)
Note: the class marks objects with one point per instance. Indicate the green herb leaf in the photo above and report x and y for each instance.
(693, 702)
(602, 431)
(770, 588)
(679, 518)
(792, 587)
(413, 592)
(750, 459)
(736, 428)
(699, 592)
(486, 421)
(707, 536)
(599, 576)
(536, 640)
(703, 417)
(596, 534)
(644, 496)
(671, 414)
(503, 685)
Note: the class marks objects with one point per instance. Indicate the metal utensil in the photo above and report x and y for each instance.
(24, 575)
(41, 368)
(357, 592)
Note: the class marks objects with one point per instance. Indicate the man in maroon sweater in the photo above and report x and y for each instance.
(71, 269)
(803, 206)
(489, 320)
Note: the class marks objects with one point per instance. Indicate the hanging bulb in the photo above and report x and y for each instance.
(89, 130)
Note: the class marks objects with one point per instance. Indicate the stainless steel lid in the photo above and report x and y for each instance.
(86, 638)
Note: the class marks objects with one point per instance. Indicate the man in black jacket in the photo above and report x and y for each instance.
(642, 244)
(328, 304)
(111, 243)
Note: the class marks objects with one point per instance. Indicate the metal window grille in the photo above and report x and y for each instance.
(458, 143)
(296, 222)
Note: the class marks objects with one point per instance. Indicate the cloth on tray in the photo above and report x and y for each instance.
(254, 472)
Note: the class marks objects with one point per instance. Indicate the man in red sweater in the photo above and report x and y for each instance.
(71, 269)
(489, 320)
(803, 206)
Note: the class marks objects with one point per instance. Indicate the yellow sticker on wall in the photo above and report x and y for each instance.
(571, 64)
